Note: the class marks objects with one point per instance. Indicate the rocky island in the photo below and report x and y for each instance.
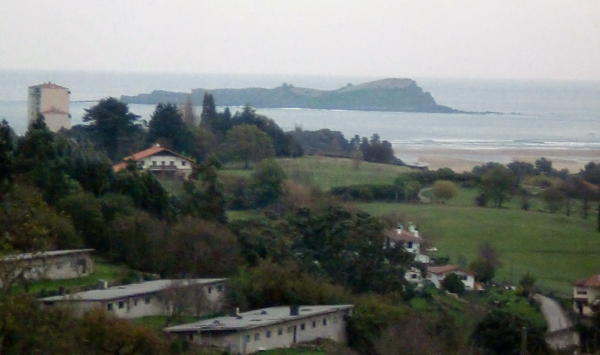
(381, 95)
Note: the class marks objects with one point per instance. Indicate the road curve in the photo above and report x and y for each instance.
(559, 334)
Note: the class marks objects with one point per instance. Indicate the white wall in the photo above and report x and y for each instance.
(468, 280)
(183, 166)
(58, 267)
(244, 341)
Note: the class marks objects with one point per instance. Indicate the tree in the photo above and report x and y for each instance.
(497, 184)
(183, 298)
(543, 166)
(248, 143)
(188, 115)
(167, 128)
(113, 127)
(7, 156)
(591, 173)
(267, 181)
(486, 263)
(554, 199)
(209, 116)
(204, 197)
(526, 284)
(500, 333)
(444, 190)
(520, 169)
(452, 283)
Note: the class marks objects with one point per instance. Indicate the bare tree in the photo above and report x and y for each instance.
(183, 298)
(187, 111)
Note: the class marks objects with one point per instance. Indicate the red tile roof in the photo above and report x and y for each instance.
(445, 269)
(402, 236)
(147, 153)
(593, 281)
(48, 85)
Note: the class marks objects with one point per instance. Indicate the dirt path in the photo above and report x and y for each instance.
(559, 334)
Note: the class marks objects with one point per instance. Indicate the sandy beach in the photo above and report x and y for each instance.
(462, 159)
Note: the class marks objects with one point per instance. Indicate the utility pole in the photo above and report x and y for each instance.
(523, 341)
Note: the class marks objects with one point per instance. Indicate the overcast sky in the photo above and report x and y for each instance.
(550, 39)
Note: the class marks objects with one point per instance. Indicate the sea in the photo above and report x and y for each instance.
(507, 114)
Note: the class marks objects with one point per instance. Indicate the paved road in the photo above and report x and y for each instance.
(559, 334)
(422, 197)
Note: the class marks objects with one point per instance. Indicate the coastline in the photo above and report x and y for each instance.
(464, 159)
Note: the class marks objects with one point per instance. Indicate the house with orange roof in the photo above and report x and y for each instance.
(436, 274)
(586, 295)
(52, 102)
(160, 161)
(409, 239)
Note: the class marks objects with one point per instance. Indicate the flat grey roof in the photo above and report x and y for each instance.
(129, 290)
(44, 254)
(256, 318)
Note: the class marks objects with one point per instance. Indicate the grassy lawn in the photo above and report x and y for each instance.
(233, 215)
(326, 172)
(160, 322)
(102, 271)
(556, 249)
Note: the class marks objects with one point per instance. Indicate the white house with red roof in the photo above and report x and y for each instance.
(586, 295)
(159, 161)
(52, 102)
(436, 274)
(410, 240)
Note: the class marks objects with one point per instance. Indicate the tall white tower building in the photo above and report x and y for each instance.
(52, 101)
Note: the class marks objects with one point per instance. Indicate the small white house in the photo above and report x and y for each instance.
(48, 265)
(150, 298)
(436, 274)
(160, 161)
(268, 328)
(410, 240)
(586, 296)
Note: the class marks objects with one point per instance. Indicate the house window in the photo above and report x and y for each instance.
(121, 304)
(135, 300)
(162, 163)
(268, 333)
(410, 245)
(209, 289)
(154, 163)
(302, 326)
(257, 336)
(172, 163)
(334, 319)
(290, 329)
(141, 162)
(581, 292)
(324, 321)
(247, 338)
(109, 307)
(182, 163)
(413, 276)
(220, 288)
(191, 337)
(280, 331)
(147, 300)
(314, 323)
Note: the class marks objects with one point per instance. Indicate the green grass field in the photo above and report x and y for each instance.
(556, 249)
(327, 172)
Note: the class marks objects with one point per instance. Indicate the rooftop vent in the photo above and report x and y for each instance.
(294, 310)
(102, 285)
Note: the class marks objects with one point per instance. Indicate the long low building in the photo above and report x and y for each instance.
(150, 298)
(49, 265)
(268, 328)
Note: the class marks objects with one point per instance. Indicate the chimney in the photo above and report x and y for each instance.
(102, 285)
(294, 310)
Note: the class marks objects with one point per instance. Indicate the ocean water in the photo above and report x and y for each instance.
(532, 114)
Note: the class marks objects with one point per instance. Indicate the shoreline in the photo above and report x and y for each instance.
(464, 159)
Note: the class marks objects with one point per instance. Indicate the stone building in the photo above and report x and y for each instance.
(48, 265)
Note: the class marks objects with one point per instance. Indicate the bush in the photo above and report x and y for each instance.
(452, 283)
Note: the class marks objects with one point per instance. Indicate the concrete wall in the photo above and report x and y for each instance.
(43, 99)
(331, 326)
(468, 280)
(56, 121)
(155, 162)
(58, 267)
(583, 297)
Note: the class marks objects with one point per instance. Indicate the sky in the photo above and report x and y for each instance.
(507, 39)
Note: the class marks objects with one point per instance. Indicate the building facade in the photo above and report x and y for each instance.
(268, 328)
(160, 161)
(52, 102)
(410, 240)
(436, 274)
(48, 265)
(151, 298)
(586, 296)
